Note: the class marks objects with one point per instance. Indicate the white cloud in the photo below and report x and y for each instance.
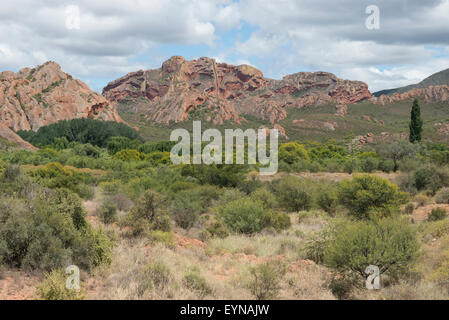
(289, 36)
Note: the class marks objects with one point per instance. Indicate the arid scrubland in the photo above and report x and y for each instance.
(139, 227)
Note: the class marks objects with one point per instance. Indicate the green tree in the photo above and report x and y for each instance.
(292, 152)
(390, 244)
(415, 123)
(368, 196)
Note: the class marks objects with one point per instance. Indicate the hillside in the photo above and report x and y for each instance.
(32, 98)
(438, 79)
(220, 92)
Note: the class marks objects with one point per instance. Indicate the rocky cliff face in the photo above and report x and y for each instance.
(430, 94)
(11, 136)
(220, 92)
(33, 98)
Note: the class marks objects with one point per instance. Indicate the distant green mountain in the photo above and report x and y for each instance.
(437, 79)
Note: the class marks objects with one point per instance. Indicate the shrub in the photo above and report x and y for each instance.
(386, 165)
(244, 216)
(437, 214)
(158, 158)
(155, 275)
(49, 232)
(366, 196)
(265, 279)
(264, 196)
(128, 155)
(11, 172)
(293, 194)
(165, 237)
(193, 280)
(435, 229)
(315, 248)
(121, 201)
(279, 221)
(147, 215)
(431, 178)
(219, 175)
(409, 208)
(54, 175)
(369, 164)
(87, 150)
(341, 286)
(185, 211)
(292, 152)
(217, 229)
(422, 200)
(442, 196)
(327, 198)
(108, 212)
(54, 288)
(390, 244)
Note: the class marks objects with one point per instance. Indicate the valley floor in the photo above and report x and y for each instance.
(224, 263)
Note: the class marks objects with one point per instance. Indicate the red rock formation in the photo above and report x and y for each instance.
(11, 136)
(429, 95)
(33, 98)
(224, 92)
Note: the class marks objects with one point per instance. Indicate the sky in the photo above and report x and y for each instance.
(102, 40)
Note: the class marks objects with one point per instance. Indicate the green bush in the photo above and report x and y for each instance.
(390, 244)
(156, 275)
(435, 229)
(54, 288)
(341, 286)
(48, 232)
(193, 280)
(367, 196)
(265, 279)
(294, 194)
(108, 212)
(431, 178)
(11, 172)
(292, 152)
(167, 238)
(279, 221)
(186, 210)
(129, 155)
(437, 214)
(369, 164)
(442, 196)
(264, 196)
(409, 208)
(54, 175)
(327, 198)
(217, 229)
(147, 215)
(316, 246)
(244, 216)
(224, 175)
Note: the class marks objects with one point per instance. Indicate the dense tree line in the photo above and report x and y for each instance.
(90, 131)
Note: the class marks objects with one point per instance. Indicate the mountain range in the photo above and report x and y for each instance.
(181, 90)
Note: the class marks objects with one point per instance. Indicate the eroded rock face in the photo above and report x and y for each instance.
(429, 95)
(33, 98)
(221, 92)
(11, 136)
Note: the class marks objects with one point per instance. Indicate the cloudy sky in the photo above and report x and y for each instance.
(114, 37)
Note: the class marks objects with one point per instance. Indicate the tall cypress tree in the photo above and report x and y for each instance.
(415, 123)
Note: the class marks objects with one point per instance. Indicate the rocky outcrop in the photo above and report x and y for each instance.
(11, 136)
(219, 92)
(33, 98)
(430, 94)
